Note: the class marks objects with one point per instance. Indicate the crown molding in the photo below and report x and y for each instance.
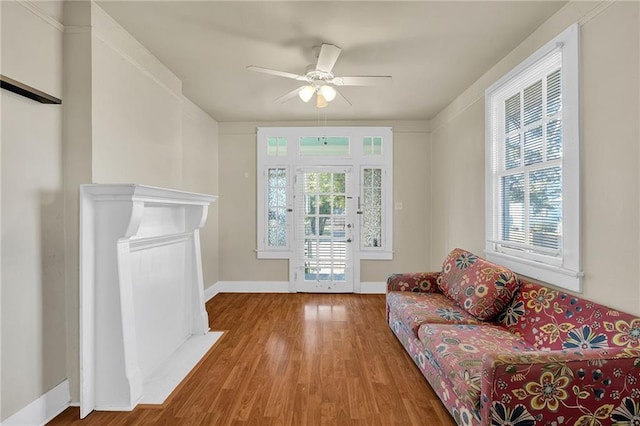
(32, 7)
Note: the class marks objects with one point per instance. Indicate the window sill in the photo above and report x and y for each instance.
(376, 255)
(274, 254)
(555, 275)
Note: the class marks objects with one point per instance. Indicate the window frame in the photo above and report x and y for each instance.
(386, 234)
(293, 159)
(564, 270)
(266, 251)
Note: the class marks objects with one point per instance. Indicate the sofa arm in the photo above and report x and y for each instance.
(580, 387)
(419, 282)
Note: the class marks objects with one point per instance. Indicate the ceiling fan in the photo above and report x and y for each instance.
(320, 80)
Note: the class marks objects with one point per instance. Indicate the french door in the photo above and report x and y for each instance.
(324, 230)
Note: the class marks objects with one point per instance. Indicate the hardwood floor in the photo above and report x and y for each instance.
(294, 359)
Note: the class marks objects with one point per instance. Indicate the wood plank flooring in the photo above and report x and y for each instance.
(294, 359)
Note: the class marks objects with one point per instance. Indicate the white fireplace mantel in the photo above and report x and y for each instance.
(141, 288)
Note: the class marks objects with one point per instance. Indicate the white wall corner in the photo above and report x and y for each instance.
(194, 111)
(43, 409)
(211, 291)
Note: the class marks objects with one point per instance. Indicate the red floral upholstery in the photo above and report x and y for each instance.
(593, 387)
(458, 350)
(482, 288)
(555, 320)
(423, 282)
(549, 358)
(414, 309)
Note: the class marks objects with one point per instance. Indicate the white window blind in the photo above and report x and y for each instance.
(532, 172)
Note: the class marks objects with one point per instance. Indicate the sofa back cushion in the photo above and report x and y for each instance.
(480, 287)
(551, 319)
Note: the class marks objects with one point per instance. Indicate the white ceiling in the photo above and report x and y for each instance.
(433, 50)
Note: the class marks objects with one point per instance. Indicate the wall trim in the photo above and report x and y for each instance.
(32, 7)
(373, 287)
(246, 287)
(475, 92)
(245, 128)
(77, 29)
(111, 33)
(43, 409)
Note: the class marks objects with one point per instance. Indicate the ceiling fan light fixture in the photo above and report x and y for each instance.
(320, 78)
(306, 93)
(321, 102)
(328, 92)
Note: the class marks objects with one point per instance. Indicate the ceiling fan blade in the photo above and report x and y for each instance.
(371, 80)
(276, 72)
(287, 97)
(327, 57)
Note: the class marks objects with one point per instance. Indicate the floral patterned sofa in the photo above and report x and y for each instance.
(499, 350)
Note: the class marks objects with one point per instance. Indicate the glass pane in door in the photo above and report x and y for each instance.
(325, 227)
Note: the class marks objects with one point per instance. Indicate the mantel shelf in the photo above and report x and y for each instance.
(147, 194)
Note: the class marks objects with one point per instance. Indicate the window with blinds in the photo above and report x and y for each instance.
(533, 166)
(530, 166)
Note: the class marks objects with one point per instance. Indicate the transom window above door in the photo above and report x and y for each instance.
(332, 146)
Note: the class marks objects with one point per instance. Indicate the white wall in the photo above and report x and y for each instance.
(610, 107)
(33, 346)
(1, 410)
(123, 119)
(136, 115)
(200, 174)
(139, 129)
(238, 262)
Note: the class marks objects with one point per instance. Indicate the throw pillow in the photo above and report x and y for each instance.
(480, 287)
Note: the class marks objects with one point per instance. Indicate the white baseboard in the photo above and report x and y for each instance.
(43, 409)
(373, 287)
(276, 287)
(246, 287)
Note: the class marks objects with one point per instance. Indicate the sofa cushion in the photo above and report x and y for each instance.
(457, 350)
(551, 319)
(415, 309)
(480, 287)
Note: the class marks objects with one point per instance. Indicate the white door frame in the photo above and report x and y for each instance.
(352, 261)
(363, 153)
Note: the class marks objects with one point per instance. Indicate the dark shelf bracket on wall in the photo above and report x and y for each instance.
(27, 91)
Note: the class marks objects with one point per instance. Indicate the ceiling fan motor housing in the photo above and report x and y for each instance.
(314, 74)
